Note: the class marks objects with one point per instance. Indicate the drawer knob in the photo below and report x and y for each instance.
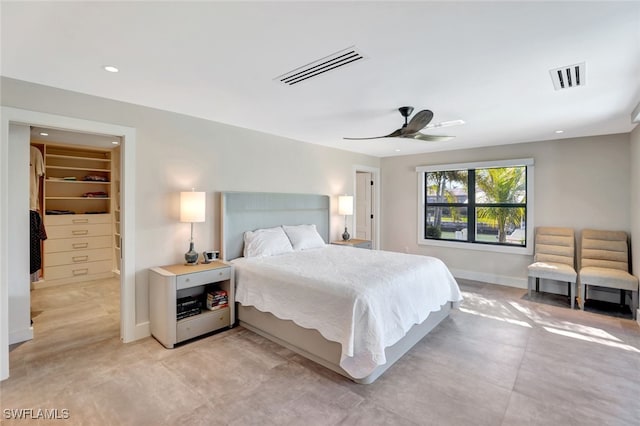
(80, 258)
(80, 220)
(80, 245)
(80, 272)
(80, 232)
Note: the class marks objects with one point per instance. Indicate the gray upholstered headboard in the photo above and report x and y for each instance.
(248, 211)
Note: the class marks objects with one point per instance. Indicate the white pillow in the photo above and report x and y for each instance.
(303, 237)
(266, 242)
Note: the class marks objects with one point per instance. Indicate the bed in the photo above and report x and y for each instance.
(351, 310)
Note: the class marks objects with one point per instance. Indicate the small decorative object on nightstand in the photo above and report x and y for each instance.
(366, 244)
(189, 301)
(192, 209)
(345, 207)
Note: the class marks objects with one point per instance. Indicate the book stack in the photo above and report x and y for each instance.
(187, 307)
(217, 299)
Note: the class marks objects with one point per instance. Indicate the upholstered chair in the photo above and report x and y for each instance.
(554, 258)
(604, 262)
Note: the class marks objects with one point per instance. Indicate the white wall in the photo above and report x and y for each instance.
(635, 202)
(176, 152)
(19, 283)
(579, 183)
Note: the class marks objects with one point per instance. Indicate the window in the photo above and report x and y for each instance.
(479, 205)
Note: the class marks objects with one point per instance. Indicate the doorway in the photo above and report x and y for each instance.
(367, 204)
(10, 237)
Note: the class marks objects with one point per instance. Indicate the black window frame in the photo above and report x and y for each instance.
(472, 206)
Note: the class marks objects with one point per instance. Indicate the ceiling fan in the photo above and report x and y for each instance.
(411, 128)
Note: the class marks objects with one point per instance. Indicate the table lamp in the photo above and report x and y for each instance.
(192, 210)
(345, 207)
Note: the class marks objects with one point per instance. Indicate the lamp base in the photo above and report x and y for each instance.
(191, 257)
(345, 234)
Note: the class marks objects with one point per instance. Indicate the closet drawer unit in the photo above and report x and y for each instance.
(74, 258)
(76, 219)
(75, 244)
(77, 231)
(72, 271)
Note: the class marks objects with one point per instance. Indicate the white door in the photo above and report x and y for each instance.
(364, 203)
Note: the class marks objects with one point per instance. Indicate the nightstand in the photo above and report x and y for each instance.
(366, 244)
(177, 291)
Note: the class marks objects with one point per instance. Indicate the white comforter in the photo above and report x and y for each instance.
(365, 300)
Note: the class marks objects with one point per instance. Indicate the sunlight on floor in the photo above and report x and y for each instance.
(509, 320)
(592, 339)
(566, 325)
(520, 314)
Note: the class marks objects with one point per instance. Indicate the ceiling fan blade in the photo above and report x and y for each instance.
(419, 121)
(394, 134)
(429, 138)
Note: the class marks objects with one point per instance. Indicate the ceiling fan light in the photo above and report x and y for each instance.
(445, 124)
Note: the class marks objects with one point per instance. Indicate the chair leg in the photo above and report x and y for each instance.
(623, 293)
(537, 285)
(529, 279)
(634, 304)
(583, 293)
(571, 298)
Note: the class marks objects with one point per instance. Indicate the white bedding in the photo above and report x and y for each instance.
(365, 300)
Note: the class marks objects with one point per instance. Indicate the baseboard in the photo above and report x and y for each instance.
(516, 282)
(21, 335)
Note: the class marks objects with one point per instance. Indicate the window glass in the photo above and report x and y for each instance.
(489, 201)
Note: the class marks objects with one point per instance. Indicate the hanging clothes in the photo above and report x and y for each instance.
(36, 171)
(37, 234)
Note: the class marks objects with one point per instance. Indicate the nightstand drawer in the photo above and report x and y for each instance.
(206, 322)
(204, 277)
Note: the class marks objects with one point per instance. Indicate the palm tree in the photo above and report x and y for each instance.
(439, 182)
(501, 185)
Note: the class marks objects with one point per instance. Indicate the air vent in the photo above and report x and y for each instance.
(569, 76)
(316, 68)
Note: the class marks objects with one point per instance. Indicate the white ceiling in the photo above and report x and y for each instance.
(485, 63)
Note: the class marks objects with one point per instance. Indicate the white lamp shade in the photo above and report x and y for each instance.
(345, 205)
(192, 206)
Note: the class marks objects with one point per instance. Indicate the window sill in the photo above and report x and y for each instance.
(478, 247)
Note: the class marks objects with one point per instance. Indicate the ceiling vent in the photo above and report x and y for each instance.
(316, 68)
(569, 76)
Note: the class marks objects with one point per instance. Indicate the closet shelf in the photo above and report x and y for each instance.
(74, 157)
(77, 198)
(77, 168)
(92, 182)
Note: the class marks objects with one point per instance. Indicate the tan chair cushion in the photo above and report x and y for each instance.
(553, 271)
(606, 277)
(604, 249)
(554, 245)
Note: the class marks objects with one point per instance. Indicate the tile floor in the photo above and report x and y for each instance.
(501, 359)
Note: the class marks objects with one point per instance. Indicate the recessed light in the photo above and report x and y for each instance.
(44, 134)
(397, 150)
(559, 131)
(115, 142)
(111, 68)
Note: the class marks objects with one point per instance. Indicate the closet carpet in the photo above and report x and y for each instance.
(501, 359)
